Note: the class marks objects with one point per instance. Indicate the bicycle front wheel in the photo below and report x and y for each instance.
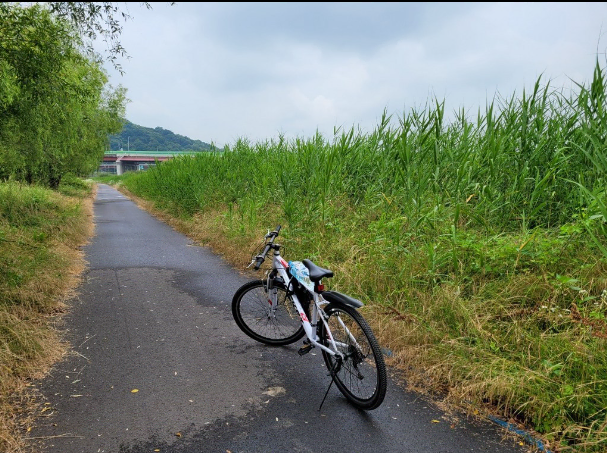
(263, 320)
(361, 374)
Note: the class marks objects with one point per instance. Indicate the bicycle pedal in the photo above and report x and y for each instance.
(307, 347)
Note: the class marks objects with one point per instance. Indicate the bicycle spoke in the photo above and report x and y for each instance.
(358, 377)
(255, 314)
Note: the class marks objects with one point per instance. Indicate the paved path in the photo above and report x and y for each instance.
(160, 365)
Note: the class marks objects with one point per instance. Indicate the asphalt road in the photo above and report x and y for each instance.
(158, 365)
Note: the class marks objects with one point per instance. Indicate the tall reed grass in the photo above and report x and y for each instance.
(478, 244)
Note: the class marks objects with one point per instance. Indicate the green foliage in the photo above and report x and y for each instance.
(56, 111)
(138, 138)
(32, 219)
(74, 186)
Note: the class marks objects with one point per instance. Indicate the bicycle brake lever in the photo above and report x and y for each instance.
(253, 261)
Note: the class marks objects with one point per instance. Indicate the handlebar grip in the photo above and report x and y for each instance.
(258, 262)
(260, 258)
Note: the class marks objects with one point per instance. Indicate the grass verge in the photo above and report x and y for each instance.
(41, 234)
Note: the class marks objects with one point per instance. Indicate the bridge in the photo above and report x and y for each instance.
(118, 162)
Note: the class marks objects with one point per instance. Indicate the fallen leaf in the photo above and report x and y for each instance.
(178, 434)
(134, 391)
(275, 391)
(435, 421)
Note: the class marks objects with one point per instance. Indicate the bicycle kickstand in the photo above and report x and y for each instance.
(332, 372)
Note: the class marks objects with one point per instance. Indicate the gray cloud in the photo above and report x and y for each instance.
(220, 71)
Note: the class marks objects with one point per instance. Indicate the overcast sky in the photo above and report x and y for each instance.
(217, 72)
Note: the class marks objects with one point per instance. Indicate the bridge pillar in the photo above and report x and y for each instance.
(118, 167)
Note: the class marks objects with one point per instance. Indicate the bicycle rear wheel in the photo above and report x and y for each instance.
(361, 375)
(253, 313)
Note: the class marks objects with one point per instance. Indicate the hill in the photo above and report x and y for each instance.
(138, 138)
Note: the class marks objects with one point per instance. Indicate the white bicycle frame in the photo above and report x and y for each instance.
(281, 266)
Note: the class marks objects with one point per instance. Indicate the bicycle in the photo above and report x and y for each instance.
(275, 311)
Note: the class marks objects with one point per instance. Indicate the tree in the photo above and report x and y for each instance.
(55, 109)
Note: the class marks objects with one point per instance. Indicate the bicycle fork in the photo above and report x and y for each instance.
(272, 300)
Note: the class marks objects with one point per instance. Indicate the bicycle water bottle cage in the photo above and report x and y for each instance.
(316, 273)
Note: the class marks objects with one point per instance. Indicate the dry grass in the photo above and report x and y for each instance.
(30, 342)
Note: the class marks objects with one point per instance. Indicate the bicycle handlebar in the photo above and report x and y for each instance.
(261, 258)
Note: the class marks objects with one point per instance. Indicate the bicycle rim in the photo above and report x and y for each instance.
(361, 376)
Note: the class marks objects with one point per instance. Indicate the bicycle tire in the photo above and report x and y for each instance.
(252, 312)
(362, 377)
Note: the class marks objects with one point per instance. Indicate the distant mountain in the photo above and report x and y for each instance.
(139, 138)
